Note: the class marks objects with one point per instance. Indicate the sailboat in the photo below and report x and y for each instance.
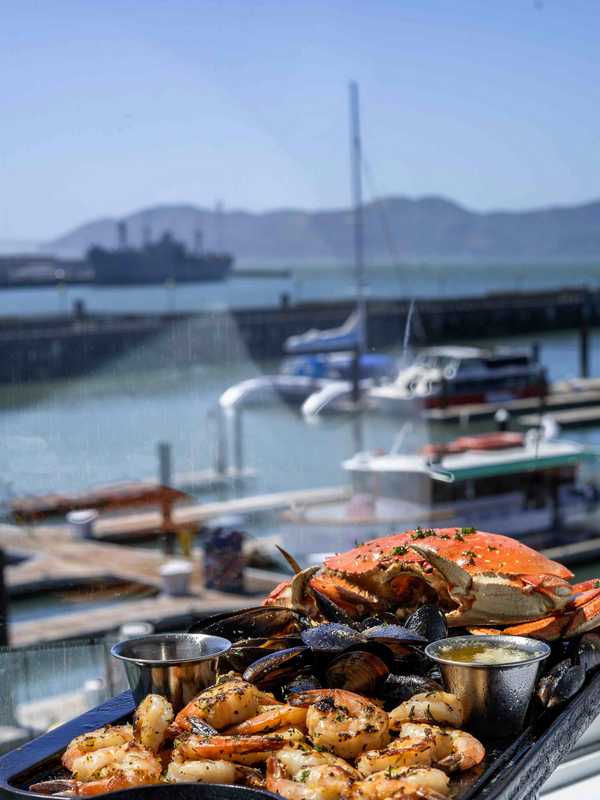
(334, 362)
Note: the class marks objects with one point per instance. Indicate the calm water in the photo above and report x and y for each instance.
(305, 283)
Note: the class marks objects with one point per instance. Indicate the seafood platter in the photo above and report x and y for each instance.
(429, 664)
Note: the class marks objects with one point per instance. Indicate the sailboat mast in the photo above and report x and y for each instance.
(356, 171)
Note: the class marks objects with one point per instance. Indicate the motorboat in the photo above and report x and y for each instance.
(509, 482)
(455, 375)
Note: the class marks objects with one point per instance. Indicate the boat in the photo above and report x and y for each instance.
(166, 260)
(512, 483)
(334, 361)
(455, 375)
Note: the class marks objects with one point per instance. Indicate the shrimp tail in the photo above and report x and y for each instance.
(57, 788)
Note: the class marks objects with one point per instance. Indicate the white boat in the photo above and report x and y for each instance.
(505, 482)
(463, 375)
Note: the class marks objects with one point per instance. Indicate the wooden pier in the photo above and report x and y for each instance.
(578, 395)
(52, 556)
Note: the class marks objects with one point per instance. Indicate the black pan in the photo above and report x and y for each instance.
(514, 769)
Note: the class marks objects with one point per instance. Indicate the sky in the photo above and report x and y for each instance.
(109, 106)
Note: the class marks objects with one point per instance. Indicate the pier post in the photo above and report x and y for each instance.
(164, 464)
(218, 434)
(356, 376)
(584, 342)
(238, 444)
(3, 603)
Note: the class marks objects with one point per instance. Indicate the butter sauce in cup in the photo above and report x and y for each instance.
(494, 677)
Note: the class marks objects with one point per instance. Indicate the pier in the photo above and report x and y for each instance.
(48, 347)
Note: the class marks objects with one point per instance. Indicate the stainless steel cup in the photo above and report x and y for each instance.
(175, 665)
(495, 696)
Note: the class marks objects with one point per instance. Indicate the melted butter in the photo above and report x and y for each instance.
(486, 653)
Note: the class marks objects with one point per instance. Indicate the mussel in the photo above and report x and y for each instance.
(278, 668)
(331, 637)
(259, 621)
(428, 621)
(360, 668)
(563, 681)
(398, 688)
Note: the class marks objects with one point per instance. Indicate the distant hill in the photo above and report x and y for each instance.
(397, 229)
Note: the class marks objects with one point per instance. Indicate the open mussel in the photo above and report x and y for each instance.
(331, 637)
(246, 651)
(260, 621)
(361, 668)
(399, 639)
(563, 681)
(279, 668)
(428, 621)
(398, 688)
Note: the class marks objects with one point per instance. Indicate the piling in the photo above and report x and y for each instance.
(3, 603)
(584, 345)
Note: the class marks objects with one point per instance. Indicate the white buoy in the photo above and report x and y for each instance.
(82, 523)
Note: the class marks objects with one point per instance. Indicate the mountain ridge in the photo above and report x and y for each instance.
(397, 229)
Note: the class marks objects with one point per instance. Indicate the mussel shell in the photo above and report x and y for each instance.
(254, 622)
(304, 681)
(562, 682)
(278, 668)
(397, 638)
(587, 652)
(382, 618)
(246, 651)
(398, 688)
(331, 637)
(356, 670)
(428, 621)
(330, 610)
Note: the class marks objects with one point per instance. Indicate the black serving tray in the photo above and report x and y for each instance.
(513, 770)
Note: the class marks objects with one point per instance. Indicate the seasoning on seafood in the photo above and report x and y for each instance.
(106, 770)
(343, 722)
(441, 708)
(426, 783)
(207, 771)
(273, 719)
(240, 749)
(425, 745)
(477, 578)
(220, 706)
(151, 721)
(305, 774)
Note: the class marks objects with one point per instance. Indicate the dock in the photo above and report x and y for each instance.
(579, 395)
(569, 418)
(52, 556)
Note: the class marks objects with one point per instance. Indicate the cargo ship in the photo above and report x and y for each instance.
(163, 261)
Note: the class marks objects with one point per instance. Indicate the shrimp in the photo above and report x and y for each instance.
(433, 707)
(425, 745)
(427, 783)
(108, 736)
(210, 771)
(106, 770)
(343, 722)
(304, 774)
(220, 706)
(151, 721)
(270, 720)
(241, 749)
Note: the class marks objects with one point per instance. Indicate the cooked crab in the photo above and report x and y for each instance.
(478, 578)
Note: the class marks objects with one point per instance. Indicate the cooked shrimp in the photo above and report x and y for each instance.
(106, 770)
(442, 708)
(109, 736)
(220, 706)
(271, 720)
(207, 771)
(302, 774)
(427, 783)
(241, 749)
(151, 721)
(343, 722)
(425, 745)
(405, 751)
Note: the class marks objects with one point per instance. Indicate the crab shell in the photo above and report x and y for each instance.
(478, 578)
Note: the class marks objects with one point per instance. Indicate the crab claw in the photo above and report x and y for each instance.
(459, 581)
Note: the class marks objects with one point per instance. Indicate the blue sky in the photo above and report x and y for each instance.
(112, 106)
